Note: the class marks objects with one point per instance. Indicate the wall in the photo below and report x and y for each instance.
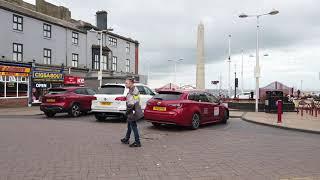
(14, 102)
(120, 52)
(33, 41)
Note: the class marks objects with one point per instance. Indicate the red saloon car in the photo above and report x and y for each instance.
(73, 100)
(190, 108)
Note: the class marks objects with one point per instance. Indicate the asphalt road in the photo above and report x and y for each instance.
(34, 147)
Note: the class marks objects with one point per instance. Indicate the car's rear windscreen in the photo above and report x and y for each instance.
(167, 96)
(111, 89)
(57, 91)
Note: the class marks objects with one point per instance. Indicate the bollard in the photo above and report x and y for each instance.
(279, 103)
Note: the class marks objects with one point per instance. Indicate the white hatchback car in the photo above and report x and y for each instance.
(111, 100)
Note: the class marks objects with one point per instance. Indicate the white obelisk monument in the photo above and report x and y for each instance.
(200, 58)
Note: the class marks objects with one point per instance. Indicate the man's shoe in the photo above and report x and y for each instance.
(125, 141)
(135, 144)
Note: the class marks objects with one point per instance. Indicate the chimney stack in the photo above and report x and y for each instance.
(102, 20)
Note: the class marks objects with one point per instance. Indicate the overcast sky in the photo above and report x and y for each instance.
(167, 29)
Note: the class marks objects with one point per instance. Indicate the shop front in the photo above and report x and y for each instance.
(43, 79)
(14, 84)
(73, 81)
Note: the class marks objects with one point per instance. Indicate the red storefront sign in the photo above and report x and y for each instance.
(73, 80)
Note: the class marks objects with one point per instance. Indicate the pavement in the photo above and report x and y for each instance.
(290, 120)
(21, 111)
(64, 148)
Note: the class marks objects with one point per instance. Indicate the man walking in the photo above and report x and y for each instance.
(133, 113)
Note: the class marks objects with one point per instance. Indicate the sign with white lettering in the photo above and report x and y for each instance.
(41, 85)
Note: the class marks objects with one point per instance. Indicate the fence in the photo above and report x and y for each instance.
(310, 107)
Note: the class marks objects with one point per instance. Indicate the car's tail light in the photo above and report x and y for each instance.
(175, 105)
(122, 98)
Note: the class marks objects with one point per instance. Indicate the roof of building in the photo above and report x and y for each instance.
(75, 25)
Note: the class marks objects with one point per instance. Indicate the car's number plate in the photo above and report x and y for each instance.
(157, 108)
(106, 103)
(51, 100)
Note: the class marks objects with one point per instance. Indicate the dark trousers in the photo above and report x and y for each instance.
(132, 126)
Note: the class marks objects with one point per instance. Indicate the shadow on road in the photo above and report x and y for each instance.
(174, 128)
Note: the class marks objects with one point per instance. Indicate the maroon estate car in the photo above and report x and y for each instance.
(73, 100)
(185, 108)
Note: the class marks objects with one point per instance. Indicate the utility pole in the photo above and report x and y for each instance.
(229, 64)
(220, 83)
(242, 86)
(235, 81)
(257, 67)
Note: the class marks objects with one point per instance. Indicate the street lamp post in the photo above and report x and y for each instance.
(175, 67)
(257, 67)
(242, 71)
(229, 67)
(101, 44)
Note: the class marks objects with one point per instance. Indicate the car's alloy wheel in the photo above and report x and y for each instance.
(195, 123)
(75, 110)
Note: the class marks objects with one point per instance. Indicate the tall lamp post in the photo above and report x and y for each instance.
(242, 70)
(229, 64)
(175, 67)
(257, 67)
(101, 44)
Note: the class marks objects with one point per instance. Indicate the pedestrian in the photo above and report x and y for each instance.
(133, 113)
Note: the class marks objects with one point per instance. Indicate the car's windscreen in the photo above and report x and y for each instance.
(111, 89)
(57, 91)
(167, 96)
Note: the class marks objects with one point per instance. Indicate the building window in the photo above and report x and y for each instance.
(96, 62)
(128, 47)
(75, 38)
(75, 60)
(112, 41)
(17, 52)
(104, 62)
(13, 86)
(47, 30)
(114, 63)
(127, 65)
(47, 56)
(17, 23)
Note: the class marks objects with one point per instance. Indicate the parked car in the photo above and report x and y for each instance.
(111, 100)
(73, 100)
(185, 108)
